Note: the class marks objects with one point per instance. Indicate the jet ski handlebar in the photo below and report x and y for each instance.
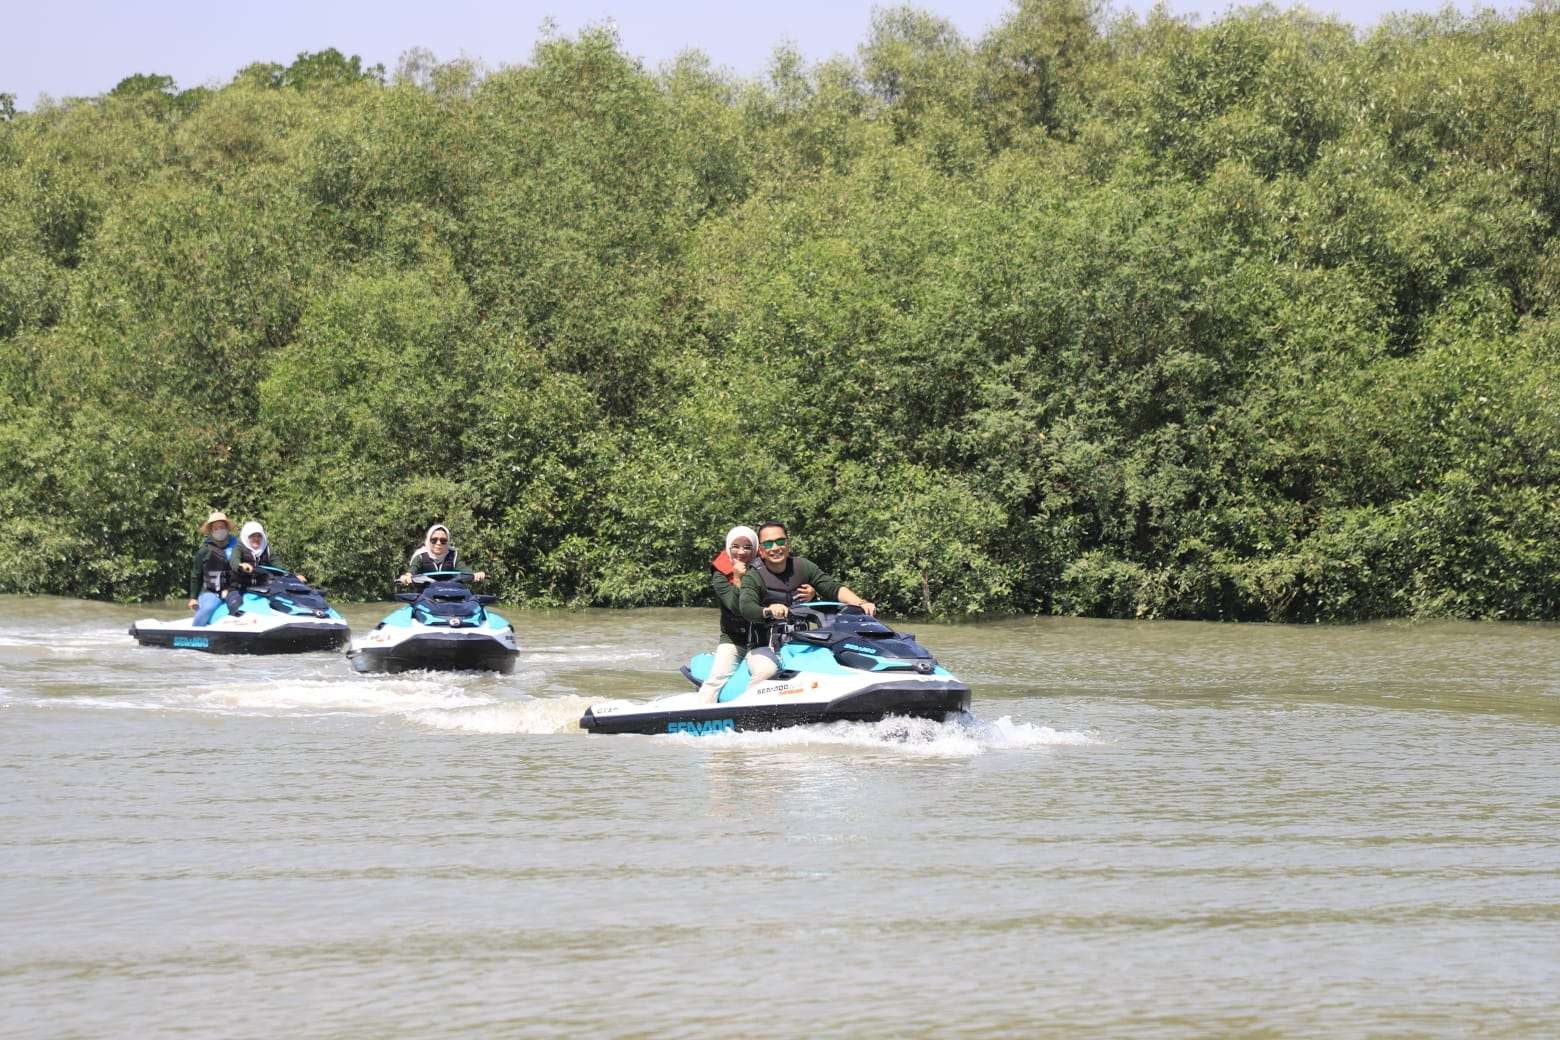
(805, 620)
(816, 613)
(429, 577)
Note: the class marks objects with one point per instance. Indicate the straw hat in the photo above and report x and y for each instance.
(216, 515)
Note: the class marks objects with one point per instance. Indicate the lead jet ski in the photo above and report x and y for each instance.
(444, 626)
(837, 664)
(286, 615)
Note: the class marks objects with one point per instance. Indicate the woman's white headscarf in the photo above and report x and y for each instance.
(741, 532)
(253, 527)
(437, 554)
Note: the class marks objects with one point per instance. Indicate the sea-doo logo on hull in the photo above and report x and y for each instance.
(195, 642)
(861, 649)
(699, 729)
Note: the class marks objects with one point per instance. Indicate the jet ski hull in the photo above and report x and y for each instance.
(296, 637)
(442, 628)
(835, 664)
(936, 699)
(285, 616)
(438, 651)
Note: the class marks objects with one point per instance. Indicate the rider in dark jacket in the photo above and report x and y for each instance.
(253, 553)
(211, 571)
(435, 554)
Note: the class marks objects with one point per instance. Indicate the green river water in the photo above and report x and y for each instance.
(1142, 830)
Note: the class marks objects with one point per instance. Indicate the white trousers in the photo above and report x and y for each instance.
(726, 657)
(762, 664)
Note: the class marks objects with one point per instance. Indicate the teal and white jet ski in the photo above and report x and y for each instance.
(286, 615)
(443, 627)
(837, 664)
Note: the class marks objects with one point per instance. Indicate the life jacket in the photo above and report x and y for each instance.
(214, 572)
(255, 577)
(422, 563)
(780, 588)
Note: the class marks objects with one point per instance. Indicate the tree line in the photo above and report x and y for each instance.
(1091, 315)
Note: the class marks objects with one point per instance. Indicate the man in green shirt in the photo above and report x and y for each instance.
(780, 581)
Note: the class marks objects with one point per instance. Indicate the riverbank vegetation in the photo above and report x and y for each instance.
(1253, 319)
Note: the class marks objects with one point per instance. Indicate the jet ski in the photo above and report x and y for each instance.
(286, 615)
(444, 626)
(837, 664)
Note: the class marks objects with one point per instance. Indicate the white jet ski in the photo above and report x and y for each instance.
(443, 627)
(287, 615)
(836, 665)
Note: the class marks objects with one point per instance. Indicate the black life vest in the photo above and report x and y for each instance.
(214, 573)
(422, 563)
(780, 588)
(255, 577)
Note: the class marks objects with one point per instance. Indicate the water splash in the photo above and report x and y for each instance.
(961, 737)
(295, 698)
(399, 696)
(534, 715)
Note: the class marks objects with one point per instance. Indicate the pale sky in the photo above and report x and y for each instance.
(72, 48)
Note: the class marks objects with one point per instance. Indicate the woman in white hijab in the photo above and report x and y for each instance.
(736, 634)
(252, 553)
(254, 545)
(435, 554)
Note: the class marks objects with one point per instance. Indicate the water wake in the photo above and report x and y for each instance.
(962, 737)
(533, 715)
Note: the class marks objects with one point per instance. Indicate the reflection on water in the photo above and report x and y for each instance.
(1140, 829)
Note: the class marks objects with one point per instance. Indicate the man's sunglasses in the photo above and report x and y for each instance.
(771, 543)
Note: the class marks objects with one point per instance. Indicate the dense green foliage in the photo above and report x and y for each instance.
(1131, 318)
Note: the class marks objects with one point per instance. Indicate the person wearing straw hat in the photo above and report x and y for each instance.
(210, 573)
